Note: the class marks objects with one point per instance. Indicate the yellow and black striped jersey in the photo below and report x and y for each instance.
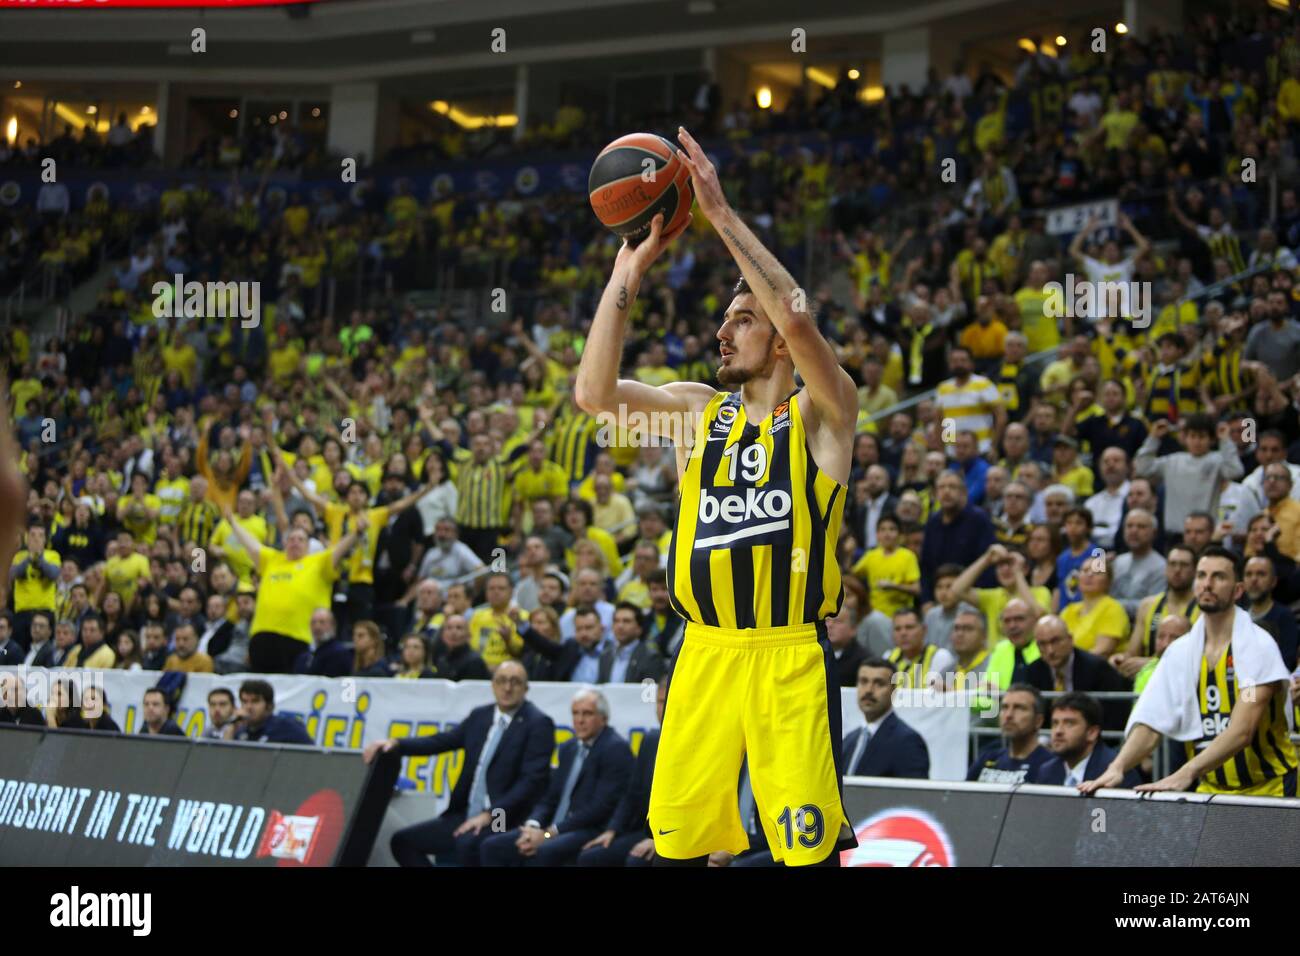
(757, 523)
(1262, 763)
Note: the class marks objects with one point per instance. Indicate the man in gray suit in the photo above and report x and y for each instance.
(631, 659)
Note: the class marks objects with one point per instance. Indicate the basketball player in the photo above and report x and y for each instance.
(1222, 690)
(762, 476)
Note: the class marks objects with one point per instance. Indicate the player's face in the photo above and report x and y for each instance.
(1217, 587)
(745, 338)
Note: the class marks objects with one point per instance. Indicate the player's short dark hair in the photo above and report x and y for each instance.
(742, 287)
(584, 610)
(35, 614)
(948, 571)
(878, 663)
(1085, 704)
(255, 687)
(221, 692)
(1201, 516)
(161, 693)
(1219, 551)
(891, 518)
(1040, 708)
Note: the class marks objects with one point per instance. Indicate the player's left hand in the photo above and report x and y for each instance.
(640, 257)
(1177, 781)
(704, 176)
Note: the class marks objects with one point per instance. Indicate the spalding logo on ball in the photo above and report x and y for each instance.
(636, 177)
(901, 837)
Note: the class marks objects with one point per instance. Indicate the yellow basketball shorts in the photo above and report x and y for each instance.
(769, 695)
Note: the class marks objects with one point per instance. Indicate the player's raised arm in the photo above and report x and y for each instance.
(833, 394)
(599, 389)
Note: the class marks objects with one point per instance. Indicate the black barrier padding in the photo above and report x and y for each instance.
(18, 749)
(1077, 831)
(969, 822)
(321, 778)
(236, 774)
(228, 804)
(363, 828)
(95, 761)
(1249, 836)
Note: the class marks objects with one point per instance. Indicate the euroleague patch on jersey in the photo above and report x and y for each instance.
(901, 837)
(780, 418)
(745, 516)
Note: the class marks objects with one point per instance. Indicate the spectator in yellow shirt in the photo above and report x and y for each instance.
(139, 511)
(1096, 622)
(187, 657)
(125, 569)
(1068, 471)
(985, 338)
(891, 572)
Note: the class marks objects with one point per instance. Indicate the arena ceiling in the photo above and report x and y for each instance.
(357, 40)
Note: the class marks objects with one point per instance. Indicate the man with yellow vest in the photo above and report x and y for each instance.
(920, 665)
(34, 573)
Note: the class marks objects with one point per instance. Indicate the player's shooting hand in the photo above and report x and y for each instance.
(640, 257)
(704, 176)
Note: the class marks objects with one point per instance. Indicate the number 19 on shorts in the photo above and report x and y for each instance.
(807, 821)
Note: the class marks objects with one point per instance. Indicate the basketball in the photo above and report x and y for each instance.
(634, 178)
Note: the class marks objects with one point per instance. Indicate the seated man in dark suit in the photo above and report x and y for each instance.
(329, 655)
(886, 746)
(630, 659)
(578, 660)
(594, 773)
(1076, 742)
(1061, 666)
(507, 762)
(627, 840)
(257, 720)
(157, 715)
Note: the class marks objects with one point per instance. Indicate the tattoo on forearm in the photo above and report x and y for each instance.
(753, 260)
(622, 297)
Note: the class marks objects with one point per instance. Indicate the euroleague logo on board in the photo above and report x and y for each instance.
(901, 837)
